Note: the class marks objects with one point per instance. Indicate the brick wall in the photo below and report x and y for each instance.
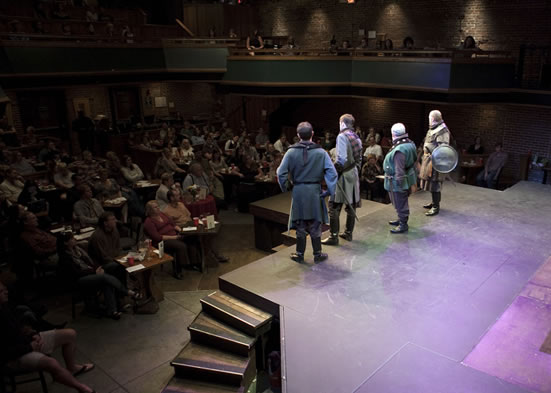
(497, 24)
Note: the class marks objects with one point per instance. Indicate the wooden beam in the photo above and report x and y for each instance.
(181, 24)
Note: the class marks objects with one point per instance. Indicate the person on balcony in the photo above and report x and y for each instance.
(255, 42)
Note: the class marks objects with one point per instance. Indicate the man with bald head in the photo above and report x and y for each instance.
(431, 180)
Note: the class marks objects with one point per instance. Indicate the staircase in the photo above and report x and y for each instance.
(226, 341)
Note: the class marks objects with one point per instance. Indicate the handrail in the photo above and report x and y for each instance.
(448, 53)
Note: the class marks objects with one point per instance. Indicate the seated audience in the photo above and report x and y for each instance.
(250, 169)
(408, 43)
(255, 41)
(63, 177)
(167, 181)
(476, 147)
(363, 44)
(262, 138)
(90, 277)
(42, 244)
(492, 168)
(176, 210)
(159, 227)
(165, 164)
(197, 137)
(31, 198)
(26, 349)
(370, 171)
(210, 144)
(131, 172)
(373, 148)
(88, 167)
(328, 141)
(388, 45)
(87, 210)
(48, 153)
(345, 48)
(22, 165)
(469, 43)
(104, 246)
(247, 149)
(218, 164)
(281, 145)
(12, 186)
(185, 151)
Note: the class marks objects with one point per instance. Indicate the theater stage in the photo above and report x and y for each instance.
(400, 313)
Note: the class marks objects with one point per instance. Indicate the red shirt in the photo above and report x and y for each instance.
(156, 229)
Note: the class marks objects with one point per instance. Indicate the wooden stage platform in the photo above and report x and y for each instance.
(271, 217)
(400, 313)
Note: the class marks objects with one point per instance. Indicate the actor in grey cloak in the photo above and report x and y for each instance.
(431, 179)
(305, 165)
(348, 164)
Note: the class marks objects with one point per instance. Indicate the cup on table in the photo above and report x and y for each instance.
(196, 221)
(205, 222)
(130, 261)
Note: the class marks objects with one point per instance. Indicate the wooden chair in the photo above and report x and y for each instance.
(10, 376)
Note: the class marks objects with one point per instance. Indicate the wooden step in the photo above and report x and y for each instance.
(209, 331)
(182, 385)
(250, 320)
(290, 237)
(281, 247)
(209, 364)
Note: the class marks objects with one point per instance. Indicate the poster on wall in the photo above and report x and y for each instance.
(148, 99)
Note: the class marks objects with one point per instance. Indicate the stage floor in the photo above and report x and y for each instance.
(399, 313)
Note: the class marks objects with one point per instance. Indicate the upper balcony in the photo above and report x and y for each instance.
(422, 75)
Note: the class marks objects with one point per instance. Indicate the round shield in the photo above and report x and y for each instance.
(444, 158)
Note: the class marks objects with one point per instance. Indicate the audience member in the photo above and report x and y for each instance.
(165, 164)
(127, 34)
(167, 181)
(30, 198)
(104, 246)
(185, 151)
(87, 210)
(92, 15)
(373, 148)
(176, 210)
(159, 227)
(22, 165)
(261, 139)
(197, 177)
(363, 44)
(469, 43)
(197, 138)
(492, 168)
(370, 171)
(131, 172)
(281, 145)
(476, 147)
(90, 277)
(408, 43)
(388, 45)
(26, 349)
(42, 244)
(247, 149)
(255, 41)
(63, 177)
(12, 186)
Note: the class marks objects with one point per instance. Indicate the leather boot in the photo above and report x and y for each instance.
(347, 235)
(428, 206)
(394, 222)
(298, 256)
(333, 239)
(402, 226)
(318, 255)
(435, 209)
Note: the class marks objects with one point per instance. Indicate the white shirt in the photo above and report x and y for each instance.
(279, 146)
(377, 150)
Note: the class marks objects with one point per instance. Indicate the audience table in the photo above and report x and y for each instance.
(471, 170)
(202, 233)
(204, 207)
(145, 275)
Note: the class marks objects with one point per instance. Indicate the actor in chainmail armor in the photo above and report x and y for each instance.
(431, 180)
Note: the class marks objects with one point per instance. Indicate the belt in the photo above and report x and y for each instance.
(307, 182)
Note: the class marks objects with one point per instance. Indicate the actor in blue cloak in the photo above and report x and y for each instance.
(304, 166)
